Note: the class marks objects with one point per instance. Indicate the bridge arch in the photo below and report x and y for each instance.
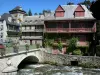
(27, 60)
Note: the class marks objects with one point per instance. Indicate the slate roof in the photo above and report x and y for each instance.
(5, 17)
(17, 9)
(33, 20)
(69, 13)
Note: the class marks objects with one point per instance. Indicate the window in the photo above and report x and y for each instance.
(30, 21)
(38, 34)
(1, 36)
(1, 33)
(59, 14)
(30, 27)
(1, 40)
(1, 28)
(82, 37)
(79, 14)
(25, 20)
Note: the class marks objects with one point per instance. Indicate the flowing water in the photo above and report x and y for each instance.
(45, 69)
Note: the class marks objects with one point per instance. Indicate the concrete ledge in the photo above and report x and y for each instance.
(21, 52)
(9, 69)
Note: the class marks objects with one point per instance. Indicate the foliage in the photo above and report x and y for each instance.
(27, 46)
(50, 42)
(84, 49)
(72, 44)
(60, 46)
(77, 52)
(29, 13)
(94, 9)
(98, 30)
(70, 3)
(98, 47)
(98, 50)
(45, 42)
(37, 45)
(46, 11)
(15, 47)
(87, 3)
(40, 13)
(35, 13)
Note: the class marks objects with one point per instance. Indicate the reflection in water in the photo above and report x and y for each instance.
(46, 69)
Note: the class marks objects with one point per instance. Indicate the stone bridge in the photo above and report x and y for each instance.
(12, 62)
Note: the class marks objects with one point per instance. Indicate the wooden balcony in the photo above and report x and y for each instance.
(69, 30)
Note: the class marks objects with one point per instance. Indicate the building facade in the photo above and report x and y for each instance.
(70, 21)
(10, 24)
(32, 29)
(65, 22)
(3, 30)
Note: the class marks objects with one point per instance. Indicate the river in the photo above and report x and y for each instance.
(45, 69)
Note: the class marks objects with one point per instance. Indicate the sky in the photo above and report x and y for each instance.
(36, 6)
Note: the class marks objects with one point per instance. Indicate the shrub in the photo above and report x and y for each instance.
(37, 45)
(60, 46)
(98, 50)
(84, 49)
(72, 44)
(77, 52)
(48, 42)
(27, 46)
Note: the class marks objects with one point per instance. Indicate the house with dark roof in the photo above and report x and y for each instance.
(12, 23)
(18, 14)
(70, 21)
(3, 30)
(12, 27)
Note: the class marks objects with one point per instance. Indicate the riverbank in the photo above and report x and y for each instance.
(64, 59)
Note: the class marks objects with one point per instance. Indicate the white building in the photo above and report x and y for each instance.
(3, 30)
(32, 29)
(10, 24)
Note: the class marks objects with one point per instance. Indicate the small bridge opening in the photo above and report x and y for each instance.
(28, 60)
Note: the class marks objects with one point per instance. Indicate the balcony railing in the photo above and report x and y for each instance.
(13, 30)
(32, 30)
(69, 30)
(32, 37)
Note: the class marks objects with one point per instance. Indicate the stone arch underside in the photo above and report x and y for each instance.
(27, 60)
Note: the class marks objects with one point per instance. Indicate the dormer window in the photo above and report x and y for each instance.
(59, 12)
(79, 12)
(30, 20)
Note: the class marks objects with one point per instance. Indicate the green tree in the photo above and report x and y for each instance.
(35, 14)
(29, 13)
(70, 3)
(40, 13)
(77, 52)
(87, 3)
(60, 46)
(72, 44)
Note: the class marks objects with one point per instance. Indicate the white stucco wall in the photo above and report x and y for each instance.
(17, 16)
(3, 31)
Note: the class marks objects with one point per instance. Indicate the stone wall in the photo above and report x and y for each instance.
(63, 59)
